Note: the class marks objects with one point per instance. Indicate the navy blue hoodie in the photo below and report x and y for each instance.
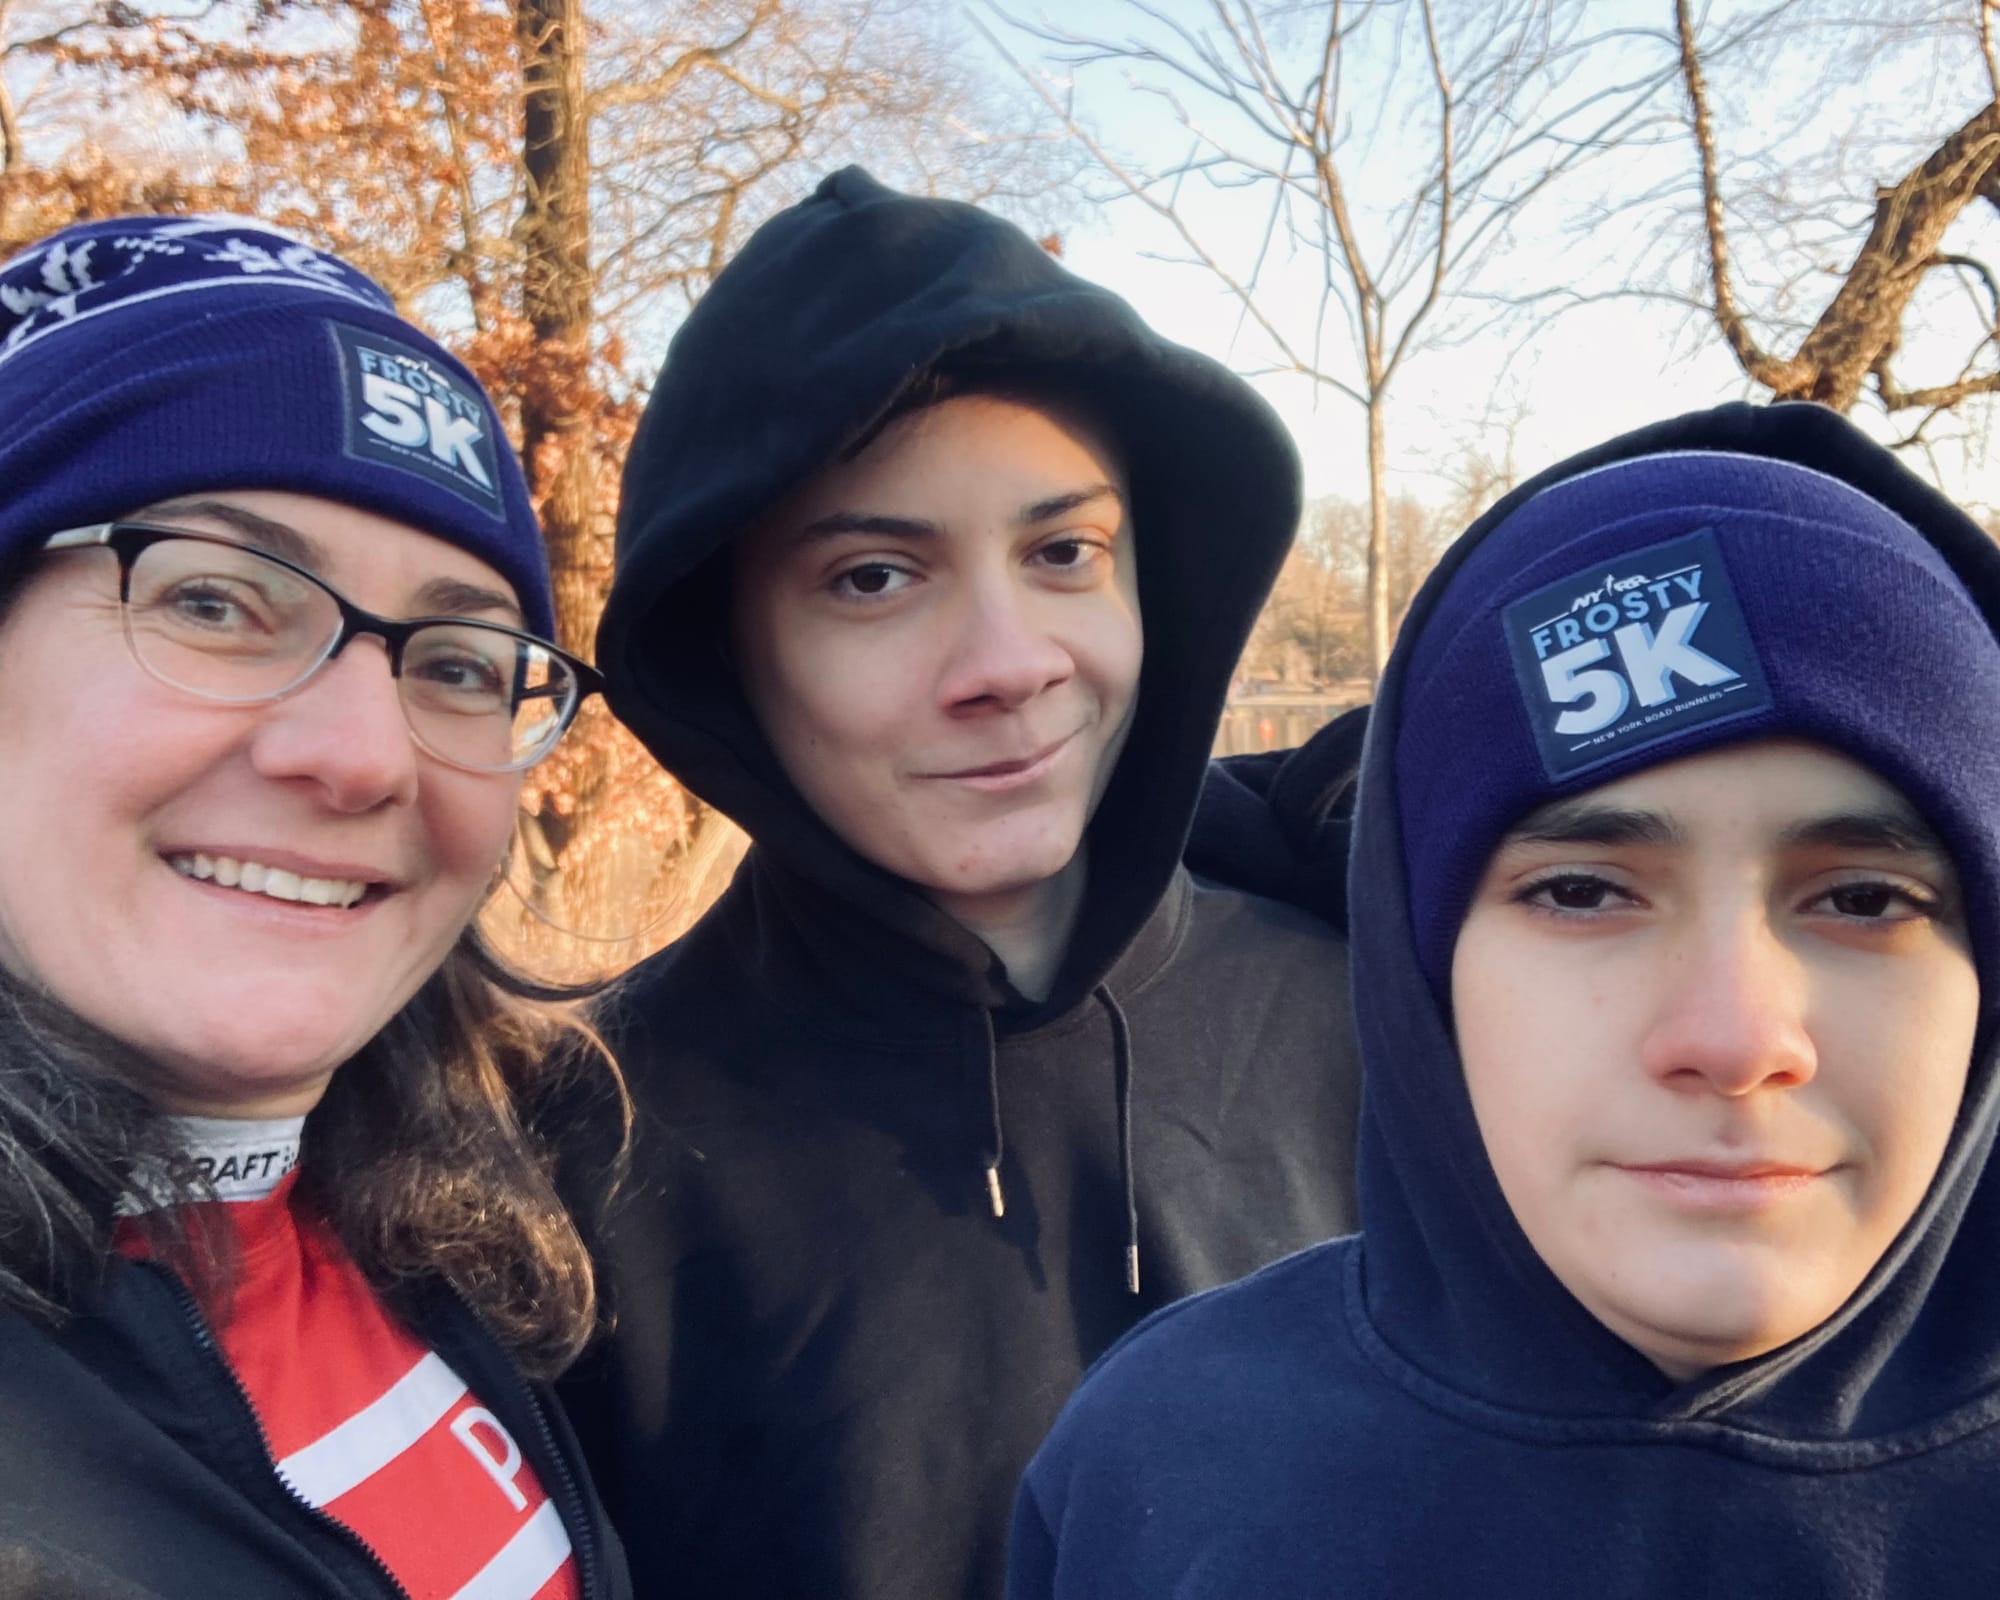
(1424, 1410)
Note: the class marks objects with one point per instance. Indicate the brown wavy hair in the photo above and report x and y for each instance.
(434, 1154)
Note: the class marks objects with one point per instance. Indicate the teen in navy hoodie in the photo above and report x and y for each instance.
(1677, 965)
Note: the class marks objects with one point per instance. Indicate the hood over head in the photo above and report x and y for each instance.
(805, 341)
(1756, 572)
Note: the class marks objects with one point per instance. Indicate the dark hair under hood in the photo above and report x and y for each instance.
(1458, 1301)
(841, 302)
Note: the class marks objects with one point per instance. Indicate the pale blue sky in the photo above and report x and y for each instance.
(1603, 367)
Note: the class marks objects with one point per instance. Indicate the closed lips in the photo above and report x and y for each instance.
(1732, 1171)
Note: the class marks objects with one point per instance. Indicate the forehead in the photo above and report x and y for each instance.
(959, 462)
(377, 561)
(1759, 790)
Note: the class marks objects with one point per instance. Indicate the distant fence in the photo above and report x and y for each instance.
(1279, 721)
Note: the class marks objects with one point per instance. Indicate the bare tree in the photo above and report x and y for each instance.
(1846, 348)
(548, 190)
(1312, 632)
(1391, 146)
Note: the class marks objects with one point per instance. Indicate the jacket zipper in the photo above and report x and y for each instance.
(570, 1502)
(205, 1341)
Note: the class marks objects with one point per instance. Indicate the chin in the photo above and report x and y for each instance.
(1738, 1322)
(987, 865)
(997, 879)
(257, 1068)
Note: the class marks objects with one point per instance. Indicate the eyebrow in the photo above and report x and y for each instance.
(835, 523)
(1886, 827)
(280, 538)
(1874, 828)
(1589, 822)
(448, 597)
(1062, 505)
(453, 597)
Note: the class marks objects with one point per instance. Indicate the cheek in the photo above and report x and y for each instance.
(1895, 1058)
(1113, 643)
(1535, 1047)
(469, 824)
(81, 793)
(839, 698)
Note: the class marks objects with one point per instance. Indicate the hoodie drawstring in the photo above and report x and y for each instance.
(1121, 1058)
(997, 1144)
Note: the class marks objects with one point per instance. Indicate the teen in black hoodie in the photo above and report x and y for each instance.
(891, 1197)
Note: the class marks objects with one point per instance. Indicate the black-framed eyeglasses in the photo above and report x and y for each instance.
(228, 622)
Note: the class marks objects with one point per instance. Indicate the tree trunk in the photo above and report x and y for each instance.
(557, 286)
(1378, 540)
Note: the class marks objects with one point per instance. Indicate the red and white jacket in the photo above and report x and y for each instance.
(431, 1462)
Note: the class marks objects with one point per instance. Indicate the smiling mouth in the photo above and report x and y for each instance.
(274, 883)
(1025, 766)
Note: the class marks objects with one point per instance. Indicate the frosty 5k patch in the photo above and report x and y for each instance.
(403, 410)
(1620, 657)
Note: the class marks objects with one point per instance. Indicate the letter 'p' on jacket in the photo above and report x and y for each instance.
(132, 1466)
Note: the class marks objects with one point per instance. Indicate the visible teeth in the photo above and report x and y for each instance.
(275, 882)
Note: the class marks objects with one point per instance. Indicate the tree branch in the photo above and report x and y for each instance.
(713, 58)
(1865, 314)
(1940, 397)
(1243, 293)
(1766, 369)
(469, 263)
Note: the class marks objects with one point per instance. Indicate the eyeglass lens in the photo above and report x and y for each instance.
(224, 622)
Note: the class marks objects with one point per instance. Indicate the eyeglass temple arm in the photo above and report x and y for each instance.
(78, 538)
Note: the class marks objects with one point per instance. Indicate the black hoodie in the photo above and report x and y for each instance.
(1424, 1410)
(833, 1358)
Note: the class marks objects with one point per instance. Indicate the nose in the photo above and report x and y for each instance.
(343, 730)
(1730, 1016)
(1003, 652)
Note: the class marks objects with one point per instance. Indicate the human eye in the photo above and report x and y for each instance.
(871, 580)
(212, 603)
(220, 614)
(462, 673)
(1879, 900)
(1570, 893)
(1072, 555)
(212, 596)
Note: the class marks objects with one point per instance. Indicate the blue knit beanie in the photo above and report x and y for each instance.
(145, 358)
(1667, 604)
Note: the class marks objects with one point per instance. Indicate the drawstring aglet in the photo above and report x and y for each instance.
(993, 1191)
(1132, 1268)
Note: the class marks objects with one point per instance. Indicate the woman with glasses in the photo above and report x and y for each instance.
(282, 1266)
